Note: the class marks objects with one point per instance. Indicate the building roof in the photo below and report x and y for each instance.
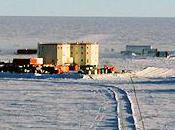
(69, 43)
(83, 43)
(53, 43)
(138, 46)
(135, 47)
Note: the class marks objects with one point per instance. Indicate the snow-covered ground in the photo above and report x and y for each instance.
(156, 100)
(152, 94)
(28, 103)
(106, 102)
(96, 102)
(53, 104)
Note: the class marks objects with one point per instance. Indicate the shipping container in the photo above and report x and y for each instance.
(27, 51)
(21, 61)
(36, 61)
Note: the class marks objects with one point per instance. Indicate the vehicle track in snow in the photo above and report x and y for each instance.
(27, 104)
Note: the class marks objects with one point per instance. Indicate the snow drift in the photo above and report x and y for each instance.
(154, 72)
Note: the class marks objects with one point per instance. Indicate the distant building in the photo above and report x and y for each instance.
(69, 53)
(140, 50)
(145, 50)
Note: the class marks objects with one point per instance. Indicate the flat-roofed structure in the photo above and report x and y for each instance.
(140, 50)
(81, 53)
(137, 49)
(85, 53)
(54, 53)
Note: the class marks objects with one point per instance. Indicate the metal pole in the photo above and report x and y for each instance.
(140, 114)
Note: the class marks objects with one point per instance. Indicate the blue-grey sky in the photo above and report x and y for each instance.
(119, 8)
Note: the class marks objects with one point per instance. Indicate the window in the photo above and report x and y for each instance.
(82, 47)
(82, 53)
(87, 61)
(81, 60)
(87, 53)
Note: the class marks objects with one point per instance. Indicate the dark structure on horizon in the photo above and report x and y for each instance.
(26, 51)
(143, 50)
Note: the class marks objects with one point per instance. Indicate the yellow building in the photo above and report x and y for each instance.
(85, 53)
(77, 53)
(55, 53)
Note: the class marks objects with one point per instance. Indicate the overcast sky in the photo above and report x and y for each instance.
(119, 8)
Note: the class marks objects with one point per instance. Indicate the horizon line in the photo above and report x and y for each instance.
(88, 16)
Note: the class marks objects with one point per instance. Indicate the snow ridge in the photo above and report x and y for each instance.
(154, 72)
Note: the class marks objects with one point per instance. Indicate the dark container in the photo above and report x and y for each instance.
(162, 54)
(27, 51)
(21, 61)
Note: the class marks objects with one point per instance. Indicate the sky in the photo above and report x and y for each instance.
(108, 8)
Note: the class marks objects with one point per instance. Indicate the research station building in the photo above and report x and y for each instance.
(140, 50)
(54, 53)
(79, 53)
(85, 53)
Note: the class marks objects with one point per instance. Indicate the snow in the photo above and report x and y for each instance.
(32, 102)
(65, 102)
(48, 104)
(154, 72)
(156, 101)
(154, 91)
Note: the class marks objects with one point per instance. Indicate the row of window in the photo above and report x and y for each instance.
(87, 60)
(81, 47)
(81, 53)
